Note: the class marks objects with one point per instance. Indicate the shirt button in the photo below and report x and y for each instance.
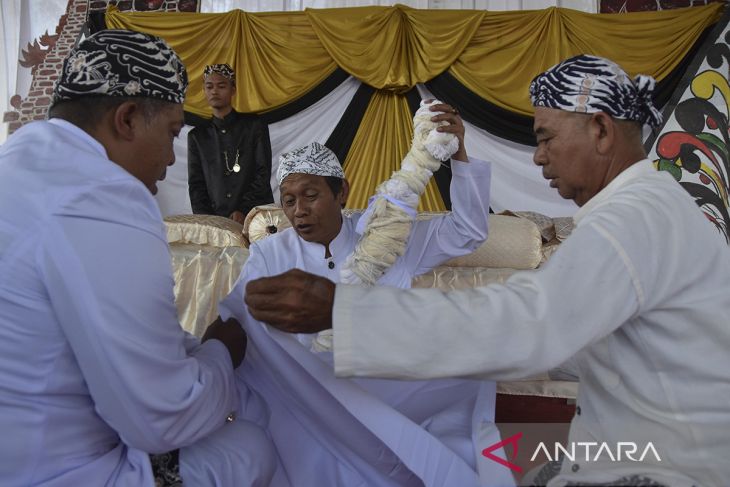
(331, 265)
(228, 195)
(231, 417)
(223, 131)
(577, 410)
(575, 467)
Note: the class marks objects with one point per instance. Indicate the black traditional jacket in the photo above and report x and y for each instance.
(215, 149)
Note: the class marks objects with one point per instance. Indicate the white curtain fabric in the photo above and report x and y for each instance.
(10, 21)
(22, 21)
(209, 6)
(172, 193)
(517, 183)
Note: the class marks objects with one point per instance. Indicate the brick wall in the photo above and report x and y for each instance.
(35, 105)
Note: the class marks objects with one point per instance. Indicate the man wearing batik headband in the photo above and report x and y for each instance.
(95, 370)
(638, 297)
(229, 157)
(434, 418)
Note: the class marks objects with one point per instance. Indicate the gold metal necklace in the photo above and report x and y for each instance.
(236, 166)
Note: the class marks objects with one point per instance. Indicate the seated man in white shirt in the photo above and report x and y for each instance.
(96, 373)
(639, 294)
(364, 432)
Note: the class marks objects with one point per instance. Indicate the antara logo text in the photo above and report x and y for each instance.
(590, 451)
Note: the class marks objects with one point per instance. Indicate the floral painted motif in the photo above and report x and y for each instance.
(694, 145)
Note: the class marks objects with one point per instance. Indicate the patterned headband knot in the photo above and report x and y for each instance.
(590, 84)
(122, 63)
(223, 69)
(647, 111)
(313, 158)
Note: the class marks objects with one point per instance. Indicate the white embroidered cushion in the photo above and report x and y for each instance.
(263, 221)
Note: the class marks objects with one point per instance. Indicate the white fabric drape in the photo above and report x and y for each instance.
(10, 21)
(21, 22)
(209, 6)
(172, 193)
(517, 183)
(220, 6)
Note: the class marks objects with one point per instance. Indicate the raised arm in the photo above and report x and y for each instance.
(465, 228)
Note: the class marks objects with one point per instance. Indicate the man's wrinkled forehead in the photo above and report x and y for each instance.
(302, 181)
(549, 119)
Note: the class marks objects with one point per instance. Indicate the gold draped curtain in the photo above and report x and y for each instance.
(386, 129)
(279, 56)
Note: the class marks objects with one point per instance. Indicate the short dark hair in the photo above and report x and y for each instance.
(88, 111)
(334, 183)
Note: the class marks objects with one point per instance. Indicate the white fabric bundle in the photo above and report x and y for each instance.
(387, 222)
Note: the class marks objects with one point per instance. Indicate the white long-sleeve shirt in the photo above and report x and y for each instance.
(369, 432)
(431, 242)
(95, 370)
(640, 292)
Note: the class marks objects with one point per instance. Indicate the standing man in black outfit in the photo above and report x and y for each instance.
(229, 157)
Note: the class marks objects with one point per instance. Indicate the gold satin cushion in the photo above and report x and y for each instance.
(216, 231)
(513, 243)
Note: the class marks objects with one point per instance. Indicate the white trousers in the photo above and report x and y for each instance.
(239, 454)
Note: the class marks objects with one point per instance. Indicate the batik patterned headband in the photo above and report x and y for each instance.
(122, 63)
(223, 69)
(590, 84)
(313, 159)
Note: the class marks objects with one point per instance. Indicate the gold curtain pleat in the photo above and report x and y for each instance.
(380, 144)
(511, 48)
(276, 55)
(279, 56)
(396, 47)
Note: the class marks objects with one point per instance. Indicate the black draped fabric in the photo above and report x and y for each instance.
(482, 113)
(340, 140)
(214, 149)
(323, 89)
(518, 128)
